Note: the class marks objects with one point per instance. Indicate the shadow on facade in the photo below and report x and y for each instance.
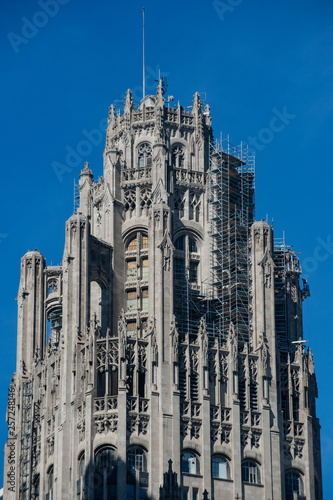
(113, 480)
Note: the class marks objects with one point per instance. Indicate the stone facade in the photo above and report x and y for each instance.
(158, 360)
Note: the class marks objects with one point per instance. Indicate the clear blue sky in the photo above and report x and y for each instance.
(254, 61)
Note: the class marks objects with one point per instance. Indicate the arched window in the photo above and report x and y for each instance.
(177, 157)
(195, 204)
(145, 200)
(192, 245)
(220, 467)
(136, 459)
(80, 481)
(190, 463)
(250, 472)
(105, 476)
(186, 261)
(144, 155)
(49, 488)
(187, 279)
(294, 484)
(54, 326)
(137, 473)
(130, 202)
(136, 286)
(132, 245)
(179, 202)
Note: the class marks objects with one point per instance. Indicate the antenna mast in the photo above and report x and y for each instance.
(144, 65)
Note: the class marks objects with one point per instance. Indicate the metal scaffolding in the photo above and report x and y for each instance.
(231, 213)
(286, 262)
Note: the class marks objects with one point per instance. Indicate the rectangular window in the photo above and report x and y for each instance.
(194, 266)
(144, 242)
(145, 269)
(185, 494)
(145, 300)
(131, 301)
(131, 328)
(179, 269)
(141, 161)
(195, 495)
(131, 274)
(219, 468)
(295, 408)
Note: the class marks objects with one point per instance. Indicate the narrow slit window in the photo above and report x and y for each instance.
(145, 300)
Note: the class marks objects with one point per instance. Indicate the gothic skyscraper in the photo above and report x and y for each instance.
(163, 359)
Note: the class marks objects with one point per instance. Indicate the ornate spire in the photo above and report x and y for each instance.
(208, 117)
(159, 95)
(170, 489)
(197, 105)
(112, 115)
(129, 105)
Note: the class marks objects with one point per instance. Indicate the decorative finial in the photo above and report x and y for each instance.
(86, 170)
(129, 102)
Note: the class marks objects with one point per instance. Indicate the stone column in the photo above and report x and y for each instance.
(30, 324)
(264, 341)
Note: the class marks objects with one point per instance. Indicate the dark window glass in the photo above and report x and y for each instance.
(180, 243)
(179, 269)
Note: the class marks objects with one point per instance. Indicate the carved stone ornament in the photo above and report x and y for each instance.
(263, 351)
(233, 347)
(167, 248)
(204, 340)
(174, 339)
(160, 194)
(152, 334)
(122, 334)
(268, 266)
